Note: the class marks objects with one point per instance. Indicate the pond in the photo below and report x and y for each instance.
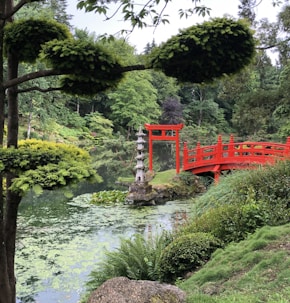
(60, 242)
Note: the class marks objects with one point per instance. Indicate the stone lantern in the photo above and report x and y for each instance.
(140, 167)
(140, 191)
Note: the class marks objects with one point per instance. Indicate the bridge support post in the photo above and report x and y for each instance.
(216, 177)
(217, 173)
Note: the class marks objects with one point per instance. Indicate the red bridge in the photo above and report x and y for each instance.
(232, 155)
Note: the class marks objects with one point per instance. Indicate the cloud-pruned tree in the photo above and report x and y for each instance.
(207, 51)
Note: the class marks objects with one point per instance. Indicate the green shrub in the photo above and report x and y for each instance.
(230, 222)
(267, 184)
(243, 202)
(137, 258)
(186, 253)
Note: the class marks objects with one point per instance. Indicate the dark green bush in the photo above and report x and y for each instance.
(186, 253)
(230, 222)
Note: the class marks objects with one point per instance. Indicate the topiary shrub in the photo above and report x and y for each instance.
(186, 253)
(206, 51)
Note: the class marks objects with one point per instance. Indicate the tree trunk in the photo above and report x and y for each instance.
(12, 134)
(10, 227)
(12, 199)
(5, 290)
(29, 119)
(9, 212)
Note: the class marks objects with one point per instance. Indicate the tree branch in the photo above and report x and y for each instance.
(31, 76)
(54, 72)
(36, 88)
(272, 45)
(15, 9)
(131, 68)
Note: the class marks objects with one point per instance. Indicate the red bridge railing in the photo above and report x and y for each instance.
(232, 155)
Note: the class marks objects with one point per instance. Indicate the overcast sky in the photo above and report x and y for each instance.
(139, 38)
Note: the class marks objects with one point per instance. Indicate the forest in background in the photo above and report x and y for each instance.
(253, 104)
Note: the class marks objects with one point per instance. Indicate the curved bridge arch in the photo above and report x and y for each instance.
(233, 155)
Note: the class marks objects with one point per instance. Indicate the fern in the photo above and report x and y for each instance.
(136, 258)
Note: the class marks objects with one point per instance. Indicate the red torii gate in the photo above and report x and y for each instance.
(164, 137)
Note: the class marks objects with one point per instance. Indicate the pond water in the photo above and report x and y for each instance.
(60, 242)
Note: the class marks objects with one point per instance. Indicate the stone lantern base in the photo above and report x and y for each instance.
(141, 193)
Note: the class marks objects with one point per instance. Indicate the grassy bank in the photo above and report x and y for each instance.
(251, 271)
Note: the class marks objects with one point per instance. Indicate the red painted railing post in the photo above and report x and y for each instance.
(198, 153)
(216, 176)
(185, 155)
(287, 149)
(231, 152)
(219, 148)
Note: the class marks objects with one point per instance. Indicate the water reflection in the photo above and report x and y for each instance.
(60, 241)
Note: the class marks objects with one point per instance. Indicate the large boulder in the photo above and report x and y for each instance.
(124, 290)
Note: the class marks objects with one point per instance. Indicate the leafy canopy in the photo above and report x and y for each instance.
(206, 51)
(45, 165)
(91, 66)
(197, 54)
(25, 37)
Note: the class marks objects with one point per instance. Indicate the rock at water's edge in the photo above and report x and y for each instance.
(124, 290)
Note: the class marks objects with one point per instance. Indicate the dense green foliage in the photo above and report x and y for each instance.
(45, 165)
(127, 102)
(94, 69)
(186, 253)
(265, 184)
(220, 46)
(29, 35)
